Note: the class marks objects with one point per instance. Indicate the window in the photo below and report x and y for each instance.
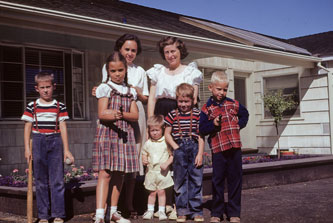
(240, 90)
(289, 86)
(18, 67)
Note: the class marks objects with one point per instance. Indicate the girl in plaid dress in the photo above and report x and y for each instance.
(114, 152)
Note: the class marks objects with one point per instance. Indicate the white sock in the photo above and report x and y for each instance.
(151, 207)
(161, 208)
(100, 213)
(113, 209)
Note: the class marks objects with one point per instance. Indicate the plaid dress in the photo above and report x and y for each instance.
(114, 143)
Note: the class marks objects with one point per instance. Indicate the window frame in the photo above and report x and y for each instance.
(297, 114)
(64, 51)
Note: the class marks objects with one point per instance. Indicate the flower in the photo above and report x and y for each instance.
(73, 174)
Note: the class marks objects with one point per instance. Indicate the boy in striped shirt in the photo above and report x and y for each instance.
(45, 118)
(182, 133)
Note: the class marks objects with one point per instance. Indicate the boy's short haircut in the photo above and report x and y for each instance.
(44, 76)
(185, 90)
(219, 76)
(156, 120)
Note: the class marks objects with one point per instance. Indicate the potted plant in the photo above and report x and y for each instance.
(277, 104)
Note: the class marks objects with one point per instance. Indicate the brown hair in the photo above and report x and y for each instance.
(121, 40)
(115, 57)
(185, 90)
(169, 40)
(44, 76)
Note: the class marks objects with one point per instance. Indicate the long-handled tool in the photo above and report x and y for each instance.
(30, 197)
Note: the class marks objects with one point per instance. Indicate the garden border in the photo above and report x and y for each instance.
(80, 199)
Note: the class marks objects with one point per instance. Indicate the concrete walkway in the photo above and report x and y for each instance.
(294, 203)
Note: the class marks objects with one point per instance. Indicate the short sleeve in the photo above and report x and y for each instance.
(63, 115)
(133, 92)
(145, 149)
(28, 113)
(104, 74)
(102, 91)
(193, 74)
(169, 119)
(154, 72)
(145, 90)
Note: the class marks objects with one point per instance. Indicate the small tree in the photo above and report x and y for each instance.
(277, 104)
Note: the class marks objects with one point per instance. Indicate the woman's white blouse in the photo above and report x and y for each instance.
(103, 90)
(136, 77)
(166, 84)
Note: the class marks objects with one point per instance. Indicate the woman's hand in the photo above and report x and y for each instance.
(93, 91)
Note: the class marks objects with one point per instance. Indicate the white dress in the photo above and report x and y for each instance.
(157, 153)
(166, 84)
(137, 78)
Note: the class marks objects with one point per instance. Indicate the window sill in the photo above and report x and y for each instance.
(270, 120)
(20, 122)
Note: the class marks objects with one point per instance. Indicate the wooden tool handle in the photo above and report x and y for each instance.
(30, 197)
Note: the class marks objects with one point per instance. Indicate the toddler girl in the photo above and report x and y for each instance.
(158, 157)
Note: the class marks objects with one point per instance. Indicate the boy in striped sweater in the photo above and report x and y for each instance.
(45, 118)
(182, 133)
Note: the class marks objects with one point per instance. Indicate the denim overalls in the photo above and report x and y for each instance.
(187, 177)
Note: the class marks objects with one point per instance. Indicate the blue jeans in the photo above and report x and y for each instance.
(47, 153)
(187, 179)
(227, 164)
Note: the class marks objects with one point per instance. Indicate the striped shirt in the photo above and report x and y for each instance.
(46, 116)
(184, 124)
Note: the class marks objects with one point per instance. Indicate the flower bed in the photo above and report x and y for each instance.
(72, 175)
(258, 158)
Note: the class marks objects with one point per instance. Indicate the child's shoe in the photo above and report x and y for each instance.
(181, 218)
(162, 216)
(157, 214)
(215, 220)
(99, 220)
(148, 215)
(44, 221)
(58, 220)
(173, 215)
(199, 218)
(234, 220)
(116, 217)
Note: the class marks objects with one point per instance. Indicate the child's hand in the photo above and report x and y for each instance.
(69, 156)
(93, 91)
(198, 160)
(114, 113)
(28, 155)
(164, 166)
(217, 120)
(145, 160)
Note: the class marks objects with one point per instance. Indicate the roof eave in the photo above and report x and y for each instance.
(45, 19)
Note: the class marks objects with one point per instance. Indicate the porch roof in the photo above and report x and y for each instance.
(107, 19)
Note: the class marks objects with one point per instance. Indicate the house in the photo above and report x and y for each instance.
(72, 39)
